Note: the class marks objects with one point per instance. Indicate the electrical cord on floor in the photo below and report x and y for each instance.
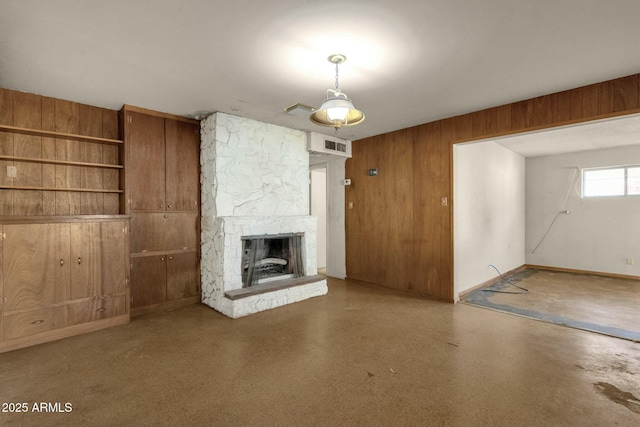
(526, 291)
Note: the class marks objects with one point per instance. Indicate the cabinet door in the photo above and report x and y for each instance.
(114, 257)
(98, 252)
(148, 280)
(183, 276)
(35, 265)
(144, 233)
(164, 231)
(182, 165)
(145, 161)
(85, 259)
(180, 231)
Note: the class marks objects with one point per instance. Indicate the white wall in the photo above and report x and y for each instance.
(489, 212)
(337, 252)
(599, 233)
(319, 209)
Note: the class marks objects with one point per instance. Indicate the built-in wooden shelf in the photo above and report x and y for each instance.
(46, 219)
(58, 135)
(60, 162)
(75, 190)
(272, 286)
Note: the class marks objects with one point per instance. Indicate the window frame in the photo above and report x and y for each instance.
(625, 168)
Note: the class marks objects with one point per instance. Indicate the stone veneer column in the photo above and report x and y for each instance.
(255, 180)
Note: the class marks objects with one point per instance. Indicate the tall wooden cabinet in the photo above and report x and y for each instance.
(64, 238)
(163, 197)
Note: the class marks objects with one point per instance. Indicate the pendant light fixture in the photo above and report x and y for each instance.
(337, 110)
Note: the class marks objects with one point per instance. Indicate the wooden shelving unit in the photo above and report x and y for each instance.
(63, 236)
(58, 135)
(92, 176)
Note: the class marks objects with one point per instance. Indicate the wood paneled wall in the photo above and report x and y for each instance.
(399, 232)
(31, 111)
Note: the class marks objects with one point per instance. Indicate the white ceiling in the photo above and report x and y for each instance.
(408, 61)
(594, 135)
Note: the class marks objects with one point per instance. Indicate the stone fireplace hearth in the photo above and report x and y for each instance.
(255, 184)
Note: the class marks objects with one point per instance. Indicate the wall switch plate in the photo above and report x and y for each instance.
(373, 172)
(12, 171)
(350, 205)
(630, 261)
(346, 181)
(444, 201)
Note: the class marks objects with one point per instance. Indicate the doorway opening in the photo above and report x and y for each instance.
(318, 207)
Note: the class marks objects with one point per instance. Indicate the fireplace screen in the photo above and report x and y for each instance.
(271, 257)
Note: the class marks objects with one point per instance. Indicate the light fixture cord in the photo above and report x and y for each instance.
(337, 84)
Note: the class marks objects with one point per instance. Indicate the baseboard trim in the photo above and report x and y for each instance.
(61, 333)
(164, 306)
(574, 271)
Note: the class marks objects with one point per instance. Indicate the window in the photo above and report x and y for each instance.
(620, 181)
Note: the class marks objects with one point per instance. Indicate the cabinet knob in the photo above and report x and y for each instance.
(79, 260)
(61, 263)
(101, 309)
(170, 258)
(161, 206)
(37, 322)
(166, 216)
(162, 259)
(169, 206)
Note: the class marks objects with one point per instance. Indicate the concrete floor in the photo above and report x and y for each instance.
(597, 303)
(361, 355)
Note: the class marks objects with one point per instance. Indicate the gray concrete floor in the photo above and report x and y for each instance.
(604, 304)
(361, 355)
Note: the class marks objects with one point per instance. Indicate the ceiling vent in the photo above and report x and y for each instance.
(323, 144)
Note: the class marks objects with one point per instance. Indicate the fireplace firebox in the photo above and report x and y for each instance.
(271, 257)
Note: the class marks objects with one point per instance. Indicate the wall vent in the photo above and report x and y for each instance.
(323, 144)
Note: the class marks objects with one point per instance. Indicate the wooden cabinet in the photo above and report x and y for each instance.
(145, 149)
(164, 232)
(149, 275)
(166, 154)
(64, 243)
(183, 276)
(97, 257)
(163, 197)
(182, 167)
(58, 273)
(34, 270)
(168, 277)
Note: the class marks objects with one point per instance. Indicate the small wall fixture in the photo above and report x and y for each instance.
(337, 110)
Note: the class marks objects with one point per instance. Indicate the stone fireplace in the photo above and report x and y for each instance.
(258, 241)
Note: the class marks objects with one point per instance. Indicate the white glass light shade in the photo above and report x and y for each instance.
(336, 112)
(337, 109)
